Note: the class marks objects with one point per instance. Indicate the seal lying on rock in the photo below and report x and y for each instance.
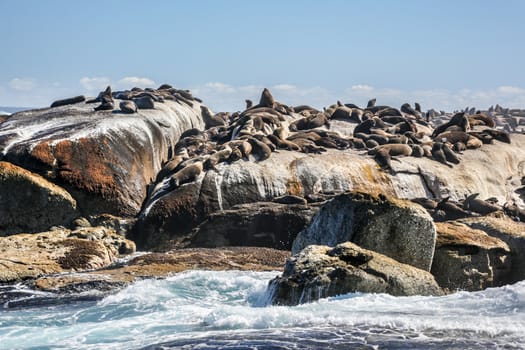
(68, 101)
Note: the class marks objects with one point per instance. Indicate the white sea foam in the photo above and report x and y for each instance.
(206, 305)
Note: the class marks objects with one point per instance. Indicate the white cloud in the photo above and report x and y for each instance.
(285, 87)
(220, 87)
(95, 83)
(512, 90)
(20, 84)
(362, 88)
(130, 82)
(221, 96)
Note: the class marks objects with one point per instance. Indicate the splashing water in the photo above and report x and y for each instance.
(216, 310)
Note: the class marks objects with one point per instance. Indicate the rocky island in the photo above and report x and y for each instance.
(344, 199)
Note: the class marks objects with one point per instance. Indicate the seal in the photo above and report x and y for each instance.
(308, 146)
(283, 144)
(217, 157)
(264, 139)
(106, 100)
(267, 99)
(393, 149)
(249, 104)
(499, 135)
(186, 175)
(128, 107)
(211, 120)
(438, 153)
(449, 211)
(483, 118)
(368, 124)
(171, 165)
(371, 103)
(259, 149)
(417, 151)
(479, 206)
(388, 111)
(383, 159)
(144, 102)
(68, 101)
(450, 156)
(407, 109)
(459, 119)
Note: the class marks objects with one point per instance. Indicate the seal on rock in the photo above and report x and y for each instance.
(106, 100)
(128, 107)
(187, 174)
(210, 119)
(68, 101)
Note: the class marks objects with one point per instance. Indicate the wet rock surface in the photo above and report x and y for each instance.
(322, 271)
(25, 256)
(93, 285)
(103, 159)
(30, 203)
(399, 229)
(469, 259)
(263, 224)
(159, 167)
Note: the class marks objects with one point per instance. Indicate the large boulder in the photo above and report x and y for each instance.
(469, 259)
(30, 203)
(322, 271)
(508, 231)
(25, 256)
(482, 171)
(258, 224)
(396, 228)
(105, 160)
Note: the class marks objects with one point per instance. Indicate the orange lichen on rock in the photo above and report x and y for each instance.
(86, 165)
(42, 153)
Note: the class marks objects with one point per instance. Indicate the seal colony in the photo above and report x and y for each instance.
(383, 132)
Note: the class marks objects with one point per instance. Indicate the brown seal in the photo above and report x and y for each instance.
(210, 120)
(68, 101)
(267, 99)
(217, 157)
(106, 100)
(393, 149)
(128, 107)
(459, 119)
(480, 206)
(438, 153)
(259, 149)
(186, 175)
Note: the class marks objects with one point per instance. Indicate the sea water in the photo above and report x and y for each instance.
(229, 310)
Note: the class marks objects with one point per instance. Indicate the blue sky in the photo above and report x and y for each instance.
(445, 54)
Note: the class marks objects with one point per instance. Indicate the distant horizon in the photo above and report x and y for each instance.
(446, 55)
(251, 90)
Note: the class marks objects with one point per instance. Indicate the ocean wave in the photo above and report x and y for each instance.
(203, 307)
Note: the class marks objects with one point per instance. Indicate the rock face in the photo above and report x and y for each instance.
(104, 160)
(30, 203)
(26, 256)
(321, 271)
(259, 224)
(247, 181)
(469, 259)
(155, 265)
(396, 228)
(508, 231)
